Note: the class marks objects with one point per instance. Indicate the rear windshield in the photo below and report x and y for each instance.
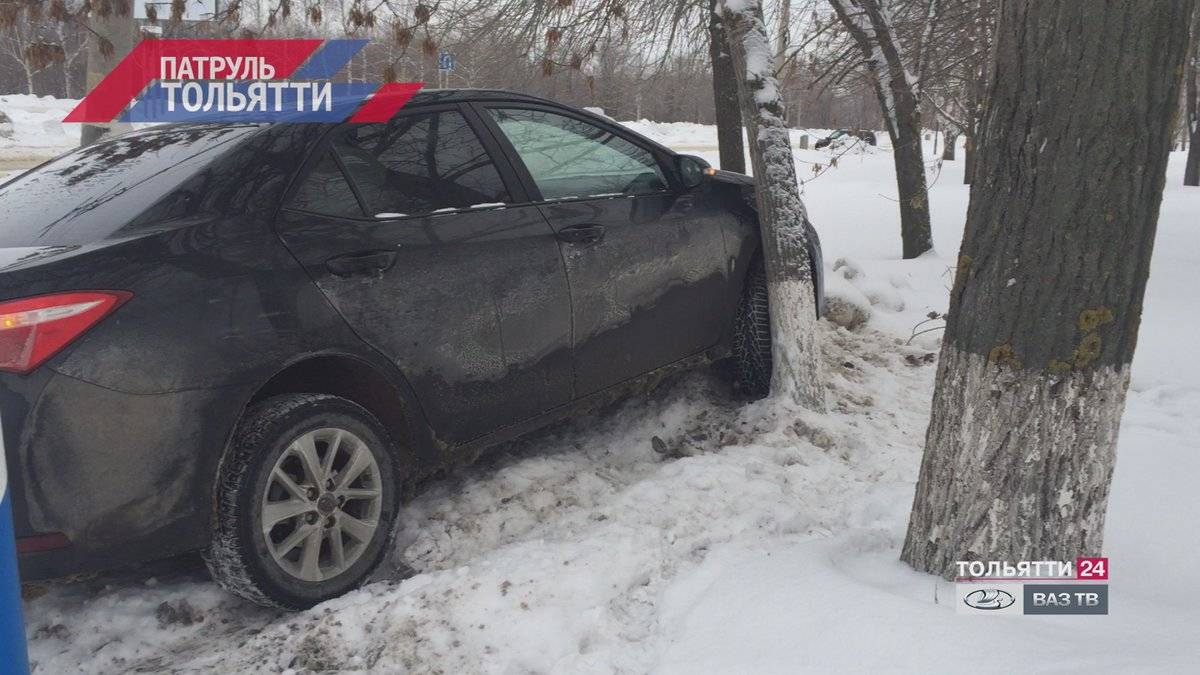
(94, 192)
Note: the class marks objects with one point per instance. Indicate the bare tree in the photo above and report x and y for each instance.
(958, 56)
(34, 45)
(1191, 171)
(873, 28)
(791, 298)
(1045, 308)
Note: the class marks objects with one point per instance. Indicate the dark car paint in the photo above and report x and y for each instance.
(117, 440)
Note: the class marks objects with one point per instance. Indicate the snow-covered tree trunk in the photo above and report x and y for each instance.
(725, 94)
(871, 26)
(1047, 299)
(791, 296)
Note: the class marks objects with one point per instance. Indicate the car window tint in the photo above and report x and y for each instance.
(568, 157)
(420, 163)
(326, 191)
(97, 191)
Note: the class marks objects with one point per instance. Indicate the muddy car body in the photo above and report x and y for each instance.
(441, 278)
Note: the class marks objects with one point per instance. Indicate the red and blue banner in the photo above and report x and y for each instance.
(239, 81)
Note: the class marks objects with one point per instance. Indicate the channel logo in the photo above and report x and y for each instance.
(232, 81)
(1032, 587)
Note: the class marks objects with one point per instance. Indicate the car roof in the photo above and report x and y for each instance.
(432, 96)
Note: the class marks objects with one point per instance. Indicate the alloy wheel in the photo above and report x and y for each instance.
(322, 504)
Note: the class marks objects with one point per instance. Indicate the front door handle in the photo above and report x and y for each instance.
(581, 234)
(364, 262)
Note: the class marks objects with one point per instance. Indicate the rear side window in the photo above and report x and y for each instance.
(95, 192)
(326, 191)
(567, 157)
(417, 164)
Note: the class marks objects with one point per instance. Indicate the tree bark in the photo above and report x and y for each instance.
(790, 294)
(872, 31)
(915, 231)
(968, 158)
(725, 95)
(1191, 168)
(1045, 307)
(948, 152)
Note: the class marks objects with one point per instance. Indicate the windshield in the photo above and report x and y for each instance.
(92, 193)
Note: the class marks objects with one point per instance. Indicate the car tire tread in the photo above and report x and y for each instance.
(229, 558)
(752, 335)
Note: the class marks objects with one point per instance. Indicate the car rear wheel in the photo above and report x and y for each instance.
(306, 501)
(752, 335)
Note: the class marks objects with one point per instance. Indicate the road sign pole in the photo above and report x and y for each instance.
(14, 656)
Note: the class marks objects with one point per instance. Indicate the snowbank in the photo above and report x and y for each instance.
(38, 131)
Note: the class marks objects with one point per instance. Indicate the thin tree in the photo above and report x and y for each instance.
(725, 95)
(790, 294)
(1048, 293)
(873, 28)
(1191, 169)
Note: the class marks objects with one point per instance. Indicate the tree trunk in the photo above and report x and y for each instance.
(1191, 168)
(968, 158)
(872, 31)
(1045, 308)
(725, 95)
(978, 78)
(28, 78)
(950, 147)
(915, 231)
(790, 294)
(122, 33)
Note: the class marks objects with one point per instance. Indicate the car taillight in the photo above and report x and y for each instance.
(34, 329)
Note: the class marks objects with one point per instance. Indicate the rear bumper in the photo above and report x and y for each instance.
(123, 477)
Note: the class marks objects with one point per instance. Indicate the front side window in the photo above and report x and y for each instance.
(418, 164)
(568, 157)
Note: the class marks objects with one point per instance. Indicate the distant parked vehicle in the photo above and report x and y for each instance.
(250, 339)
(865, 135)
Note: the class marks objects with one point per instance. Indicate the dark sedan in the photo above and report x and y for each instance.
(251, 340)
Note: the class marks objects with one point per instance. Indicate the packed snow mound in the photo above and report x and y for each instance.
(37, 124)
(555, 553)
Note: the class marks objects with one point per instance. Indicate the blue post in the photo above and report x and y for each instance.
(14, 658)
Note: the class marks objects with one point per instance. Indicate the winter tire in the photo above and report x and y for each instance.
(306, 501)
(752, 335)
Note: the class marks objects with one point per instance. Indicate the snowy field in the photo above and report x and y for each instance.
(763, 540)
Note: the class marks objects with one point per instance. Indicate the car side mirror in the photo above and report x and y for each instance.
(691, 170)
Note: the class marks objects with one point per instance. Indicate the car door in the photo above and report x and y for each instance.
(416, 232)
(645, 259)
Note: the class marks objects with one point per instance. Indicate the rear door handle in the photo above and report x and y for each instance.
(581, 234)
(364, 262)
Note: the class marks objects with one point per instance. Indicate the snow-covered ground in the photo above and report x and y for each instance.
(37, 131)
(764, 540)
